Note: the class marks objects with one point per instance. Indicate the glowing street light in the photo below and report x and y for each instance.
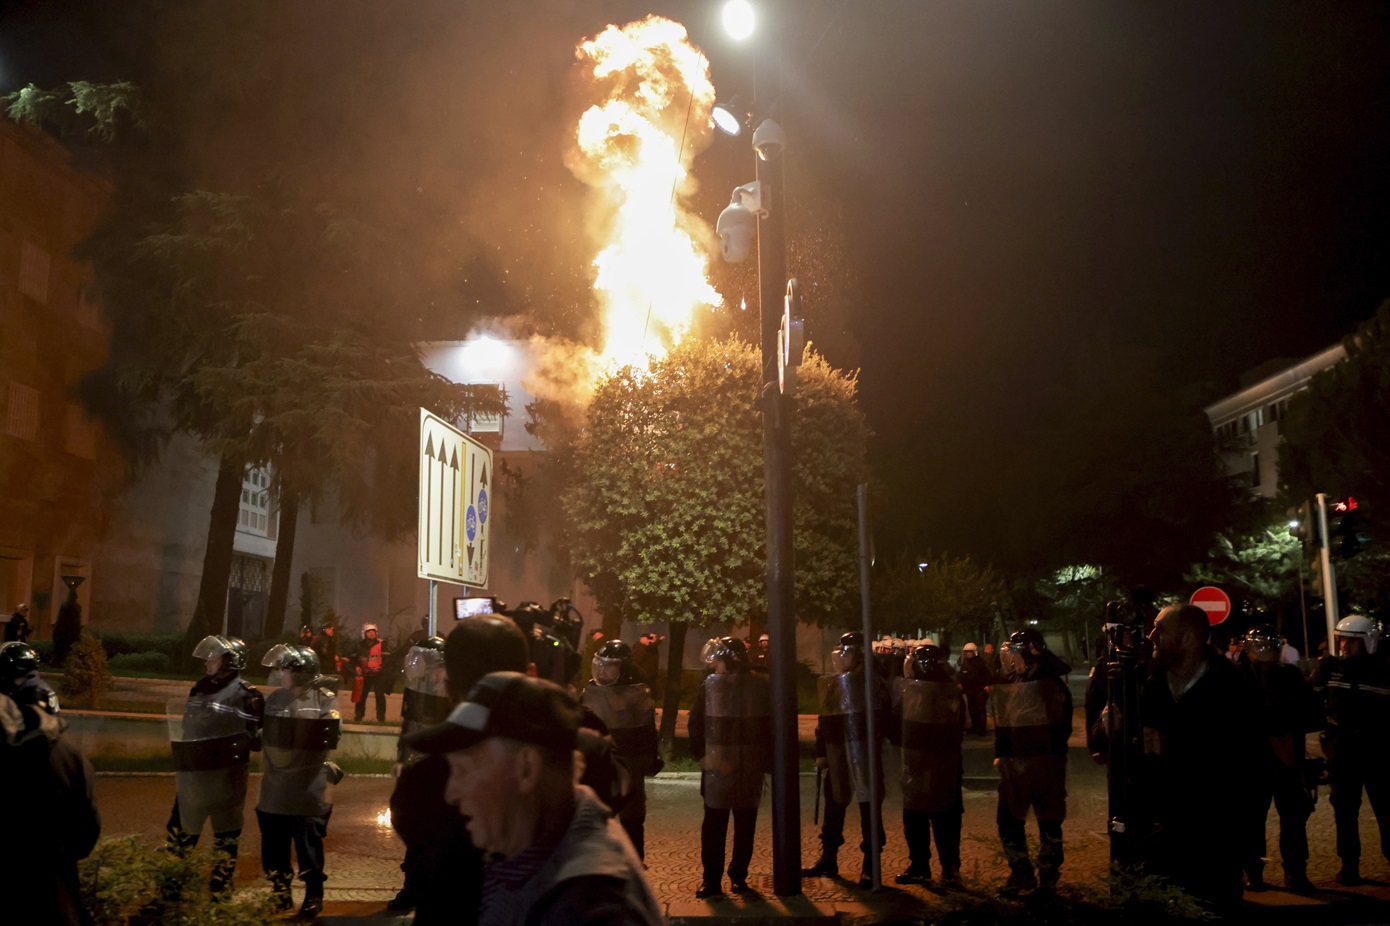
(739, 19)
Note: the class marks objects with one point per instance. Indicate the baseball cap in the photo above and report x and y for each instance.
(510, 705)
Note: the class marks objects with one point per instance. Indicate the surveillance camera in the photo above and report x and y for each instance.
(737, 229)
(768, 139)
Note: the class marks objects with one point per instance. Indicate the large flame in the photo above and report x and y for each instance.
(633, 148)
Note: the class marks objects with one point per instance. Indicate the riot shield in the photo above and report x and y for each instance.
(301, 727)
(621, 707)
(738, 739)
(1028, 717)
(425, 700)
(932, 728)
(845, 729)
(211, 743)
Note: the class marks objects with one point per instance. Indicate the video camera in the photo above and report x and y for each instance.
(1125, 636)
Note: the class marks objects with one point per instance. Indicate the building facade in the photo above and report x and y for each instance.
(1246, 422)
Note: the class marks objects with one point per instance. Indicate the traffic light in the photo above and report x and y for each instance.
(1346, 527)
(1303, 525)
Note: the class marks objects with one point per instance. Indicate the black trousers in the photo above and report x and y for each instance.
(278, 832)
(832, 831)
(633, 815)
(918, 826)
(714, 830)
(1347, 775)
(1015, 840)
(975, 700)
(373, 684)
(1284, 787)
(224, 846)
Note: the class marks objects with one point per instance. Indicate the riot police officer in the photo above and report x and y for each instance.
(929, 725)
(425, 701)
(301, 726)
(1287, 712)
(623, 701)
(1032, 716)
(1355, 686)
(731, 734)
(19, 678)
(842, 749)
(219, 729)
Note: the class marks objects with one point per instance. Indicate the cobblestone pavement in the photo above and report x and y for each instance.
(364, 853)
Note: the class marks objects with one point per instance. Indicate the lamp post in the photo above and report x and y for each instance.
(770, 212)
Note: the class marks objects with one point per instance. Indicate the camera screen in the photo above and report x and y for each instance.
(467, 607)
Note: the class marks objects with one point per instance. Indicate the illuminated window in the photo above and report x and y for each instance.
(254, 514)
(484, 423)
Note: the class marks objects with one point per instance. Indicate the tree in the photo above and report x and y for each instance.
(949, 594)
(665, 510)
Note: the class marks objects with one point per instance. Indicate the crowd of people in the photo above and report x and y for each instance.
(522, 799)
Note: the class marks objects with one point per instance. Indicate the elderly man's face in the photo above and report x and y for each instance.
(483, 786)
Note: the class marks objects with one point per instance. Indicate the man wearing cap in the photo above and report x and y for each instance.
(17, 628)
(556, 855)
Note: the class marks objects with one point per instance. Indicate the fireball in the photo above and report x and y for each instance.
(633, 147)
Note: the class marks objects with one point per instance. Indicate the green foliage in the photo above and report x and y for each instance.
(129, 663)
(99, 111)
(952, 594)
(666, 504)
(170, 645)
(126, 879)
(85, 671)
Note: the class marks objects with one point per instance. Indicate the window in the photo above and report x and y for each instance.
(22, 412)
(79, 434)
(482, 423)
(254, 516)
(33, 271)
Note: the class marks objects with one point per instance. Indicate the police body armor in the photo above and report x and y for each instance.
(424, 704)
(845, 729)
(299, 734)
(1030, 718)
(630, 714)
(212, 735)
(933, 723)
(738, 740)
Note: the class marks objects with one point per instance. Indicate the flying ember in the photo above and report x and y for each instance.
(634, 144)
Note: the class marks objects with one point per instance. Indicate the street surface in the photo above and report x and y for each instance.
(364, 853)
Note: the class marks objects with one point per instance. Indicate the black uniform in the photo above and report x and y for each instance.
(53, 822)
(1032, 722)
(730, 727)
(842, 739)
(1287, 712)
(1356, 695)
(929, 724)
(975, 679)
(630, 715)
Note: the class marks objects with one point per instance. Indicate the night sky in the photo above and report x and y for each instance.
(1022, 187)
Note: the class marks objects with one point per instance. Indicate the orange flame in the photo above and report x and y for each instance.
(633, 148)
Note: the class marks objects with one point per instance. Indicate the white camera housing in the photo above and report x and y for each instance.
(769, 140)
(738, 223)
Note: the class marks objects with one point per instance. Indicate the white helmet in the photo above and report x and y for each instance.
(366, 627)
(1361, 628)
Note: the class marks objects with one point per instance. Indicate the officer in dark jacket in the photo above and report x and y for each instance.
(975, 678)
(17, 627)
(1032, 721)
(301, 727)
(929, 724)
(1287, 712)
(623, 701)
(731, 734)
(51, 823)
(842, 748)
(1355, 687)
(221, 727)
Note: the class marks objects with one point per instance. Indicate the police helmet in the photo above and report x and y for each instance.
(231, 649)
(300, 661)
(1359, 627)
(925, 661)
(423, 657)
(17, 659)
(848, 654)
(1028, 641)
(1263, 642)
(732, 650)
(366, 627)
(612, 661)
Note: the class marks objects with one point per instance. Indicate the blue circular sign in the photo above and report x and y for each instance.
(482, 505)
(470, 523)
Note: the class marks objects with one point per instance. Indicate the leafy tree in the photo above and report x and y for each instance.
(951, 594)
(666, 506)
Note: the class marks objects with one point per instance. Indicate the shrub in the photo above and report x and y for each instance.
(170, 644)
(140, 662)
(85, 672)
(127, 880)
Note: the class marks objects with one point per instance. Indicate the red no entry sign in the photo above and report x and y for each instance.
(1214, 601)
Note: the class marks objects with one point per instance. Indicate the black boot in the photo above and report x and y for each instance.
(313, 898)
(827, 866)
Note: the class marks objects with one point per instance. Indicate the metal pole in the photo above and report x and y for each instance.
(870, 677)
(781, 613)
(434, 618)
(1329, 579)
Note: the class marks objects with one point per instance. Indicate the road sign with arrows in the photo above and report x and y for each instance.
(455, 487)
